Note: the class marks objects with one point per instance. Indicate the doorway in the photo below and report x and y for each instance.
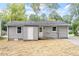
(40, 32)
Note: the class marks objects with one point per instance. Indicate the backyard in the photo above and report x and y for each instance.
(51, 47)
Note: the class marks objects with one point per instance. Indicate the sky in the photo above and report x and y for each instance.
(62, 10)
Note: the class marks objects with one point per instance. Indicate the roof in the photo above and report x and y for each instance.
(37, 23)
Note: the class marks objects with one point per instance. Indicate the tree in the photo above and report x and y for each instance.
(43, 17)
(36, 7)
(67, 19)
(74, 9)
(74, 12)
(33, 17)
(52, 6)
(54, 16)
(75, 27)
(15, 12)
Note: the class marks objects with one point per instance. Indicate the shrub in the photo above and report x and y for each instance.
(70, 32)
(75, 26)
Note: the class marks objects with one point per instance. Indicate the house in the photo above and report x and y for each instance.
(33, 30)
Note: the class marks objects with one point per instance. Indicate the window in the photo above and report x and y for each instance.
(18, 29)
(53, 28)
(40, 29)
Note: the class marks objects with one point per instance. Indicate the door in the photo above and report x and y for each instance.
(63, 32)
(40, 32)
(30, 33)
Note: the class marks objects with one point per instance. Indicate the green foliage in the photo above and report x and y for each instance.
(1, 15)
(43, 17)
(70, 32)
(74, 9)
(3, 25)
(74, 12)
(16, 12)
(52, 5)
(75, 27)
(34, 17)
(36, 7)
(67, 19)
(54, 16)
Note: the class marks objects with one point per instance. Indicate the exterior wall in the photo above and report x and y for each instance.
(26, 34)
(12, 33)
(35, 33)
(48, 33)
(63, 32)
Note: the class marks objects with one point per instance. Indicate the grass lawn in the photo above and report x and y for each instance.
(72, 36)
(41, 47)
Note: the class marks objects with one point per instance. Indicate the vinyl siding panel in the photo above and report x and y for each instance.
(48, 33)
(35, 33)
(25, 33)
(12, 33)
(63, 31)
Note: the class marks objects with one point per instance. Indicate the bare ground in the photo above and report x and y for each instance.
(52, 47)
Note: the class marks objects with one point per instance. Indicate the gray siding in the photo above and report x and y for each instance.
(35, 33)
(63, 31)
(12, 33)
(48, 33)
(25, 33)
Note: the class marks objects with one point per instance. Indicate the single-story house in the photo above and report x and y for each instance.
(33, 30)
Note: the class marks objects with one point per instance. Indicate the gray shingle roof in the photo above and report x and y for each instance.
(37, 23)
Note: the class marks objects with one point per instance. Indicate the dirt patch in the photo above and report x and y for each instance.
(41, 47)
